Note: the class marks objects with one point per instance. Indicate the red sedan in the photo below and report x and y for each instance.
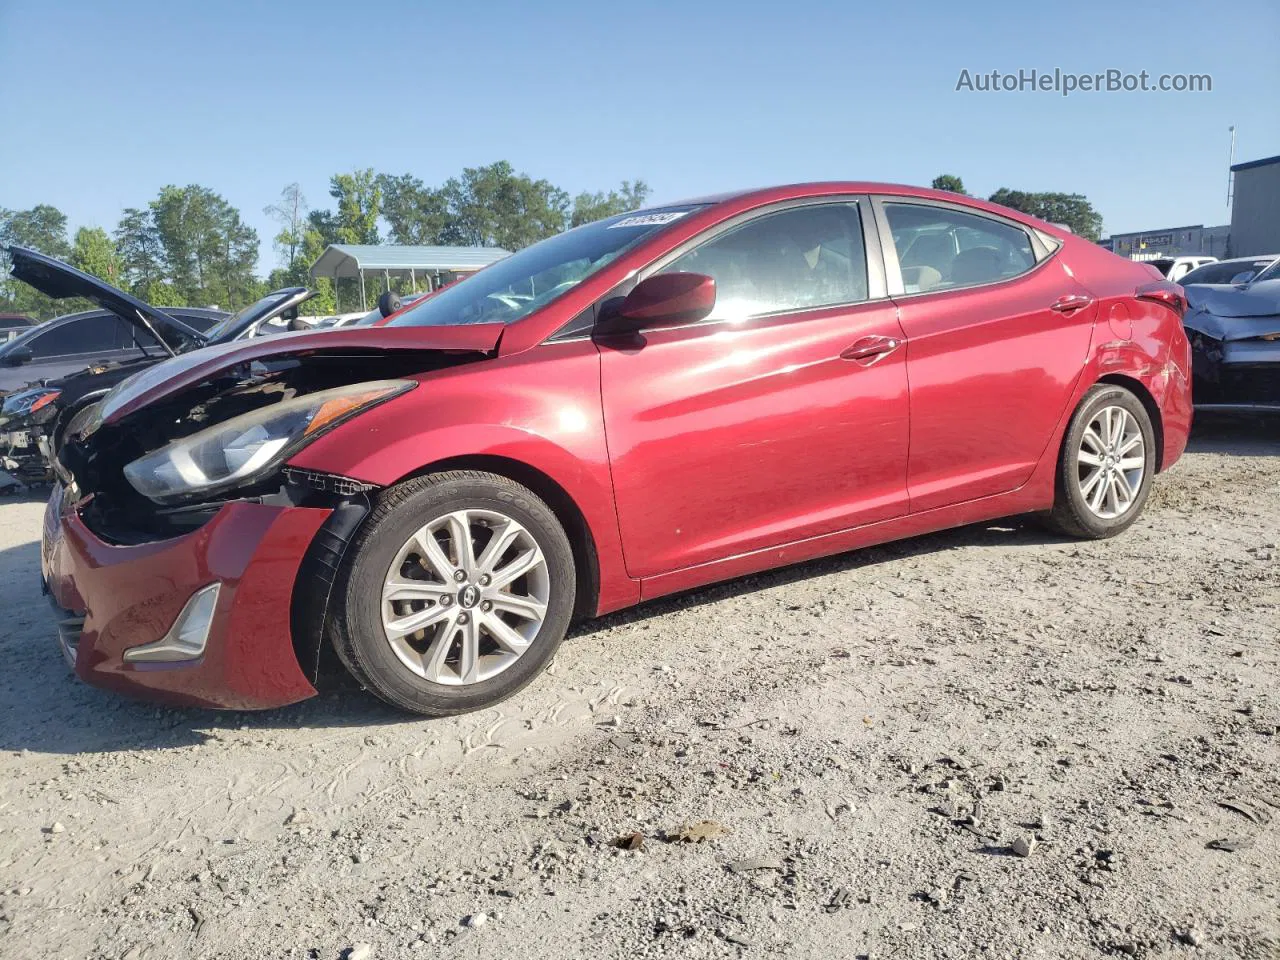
(642, 405)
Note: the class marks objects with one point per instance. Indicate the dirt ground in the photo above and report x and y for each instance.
(878, 738)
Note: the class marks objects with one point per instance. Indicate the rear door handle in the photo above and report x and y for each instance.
(870, 349)
(1070, 302)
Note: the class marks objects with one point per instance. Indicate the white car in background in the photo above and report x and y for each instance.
(1175, 268)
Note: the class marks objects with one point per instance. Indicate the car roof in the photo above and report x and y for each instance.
(819, 188)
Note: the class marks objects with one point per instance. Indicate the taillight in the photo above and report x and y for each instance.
(1165, 292)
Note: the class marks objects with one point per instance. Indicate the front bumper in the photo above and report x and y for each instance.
(132, 595)
(1236, 374)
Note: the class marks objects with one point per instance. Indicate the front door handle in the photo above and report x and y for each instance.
(870, 349)
(1071, 302)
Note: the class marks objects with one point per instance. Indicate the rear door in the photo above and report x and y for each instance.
(997, 334)
(782, 416)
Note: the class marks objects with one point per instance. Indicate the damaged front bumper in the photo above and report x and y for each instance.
(233, 651)
(1235, 374)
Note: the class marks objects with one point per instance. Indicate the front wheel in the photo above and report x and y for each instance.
(1105, 466)
(459, 590)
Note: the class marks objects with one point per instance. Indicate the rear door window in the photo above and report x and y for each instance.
(940, 248)
(131, 337)
(87, 335)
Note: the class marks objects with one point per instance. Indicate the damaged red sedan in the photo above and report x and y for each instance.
(639, 406)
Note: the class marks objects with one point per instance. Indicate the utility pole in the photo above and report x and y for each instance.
(1231, 161)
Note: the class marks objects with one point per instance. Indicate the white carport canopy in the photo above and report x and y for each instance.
(353, 260)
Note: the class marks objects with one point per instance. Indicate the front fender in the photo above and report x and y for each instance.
(540, 408)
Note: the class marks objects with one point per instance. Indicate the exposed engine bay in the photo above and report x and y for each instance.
(93, 458)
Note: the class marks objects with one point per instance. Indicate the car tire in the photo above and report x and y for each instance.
(1084, 506)
(424, 671)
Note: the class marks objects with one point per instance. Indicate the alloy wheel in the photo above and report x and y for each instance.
(465, 597)
(1111, 462)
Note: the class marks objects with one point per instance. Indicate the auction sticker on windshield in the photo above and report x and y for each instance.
(649, 219)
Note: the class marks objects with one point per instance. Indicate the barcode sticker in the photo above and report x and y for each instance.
(649, 219)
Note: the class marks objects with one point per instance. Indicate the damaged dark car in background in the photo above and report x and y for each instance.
(1234, 331)
(34, 420)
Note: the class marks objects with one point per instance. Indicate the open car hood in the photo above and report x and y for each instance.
(236, 326)
(178, 373)
(60, 281)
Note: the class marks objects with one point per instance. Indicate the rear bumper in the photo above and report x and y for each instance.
(132, 595)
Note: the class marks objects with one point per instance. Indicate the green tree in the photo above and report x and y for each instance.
(596, 206)
(291, 214)
(1071, 209)
(160, 293)
(494, 206)
(209, 253)
(359, 203)
(416, 213)
(141, 255)
(949, 182)
(94, 252)
(42, 228)
(325, 301)
(359, 197)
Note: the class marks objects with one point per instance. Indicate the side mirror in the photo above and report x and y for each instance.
(16, 358)
(663, 300)
(388, 304)
(1244, 277)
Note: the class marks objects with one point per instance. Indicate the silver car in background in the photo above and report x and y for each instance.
(1234, 329)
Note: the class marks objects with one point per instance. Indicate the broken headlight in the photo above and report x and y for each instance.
(246, 448)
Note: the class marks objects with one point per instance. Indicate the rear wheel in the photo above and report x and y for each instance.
(460, 588)
(1105, 466)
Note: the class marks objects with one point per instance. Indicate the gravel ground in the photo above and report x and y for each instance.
(988, 742)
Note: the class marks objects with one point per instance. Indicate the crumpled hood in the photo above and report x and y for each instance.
(1223, 300)
(171, 376)
(1230, 313)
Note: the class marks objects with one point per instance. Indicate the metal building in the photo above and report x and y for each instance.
(1255, 207)
(1192, 241)
(424, 267)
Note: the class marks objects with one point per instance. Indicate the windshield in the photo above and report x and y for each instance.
(22, 339)
(1271, 273)
(1223, 272)
(257, 308)
(515, 287)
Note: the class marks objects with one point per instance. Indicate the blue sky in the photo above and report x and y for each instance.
(105, 103)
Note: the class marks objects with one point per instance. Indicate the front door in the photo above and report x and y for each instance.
(780, 417)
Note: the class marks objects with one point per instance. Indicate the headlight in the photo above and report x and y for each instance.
(27, 402)
(246, 448)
